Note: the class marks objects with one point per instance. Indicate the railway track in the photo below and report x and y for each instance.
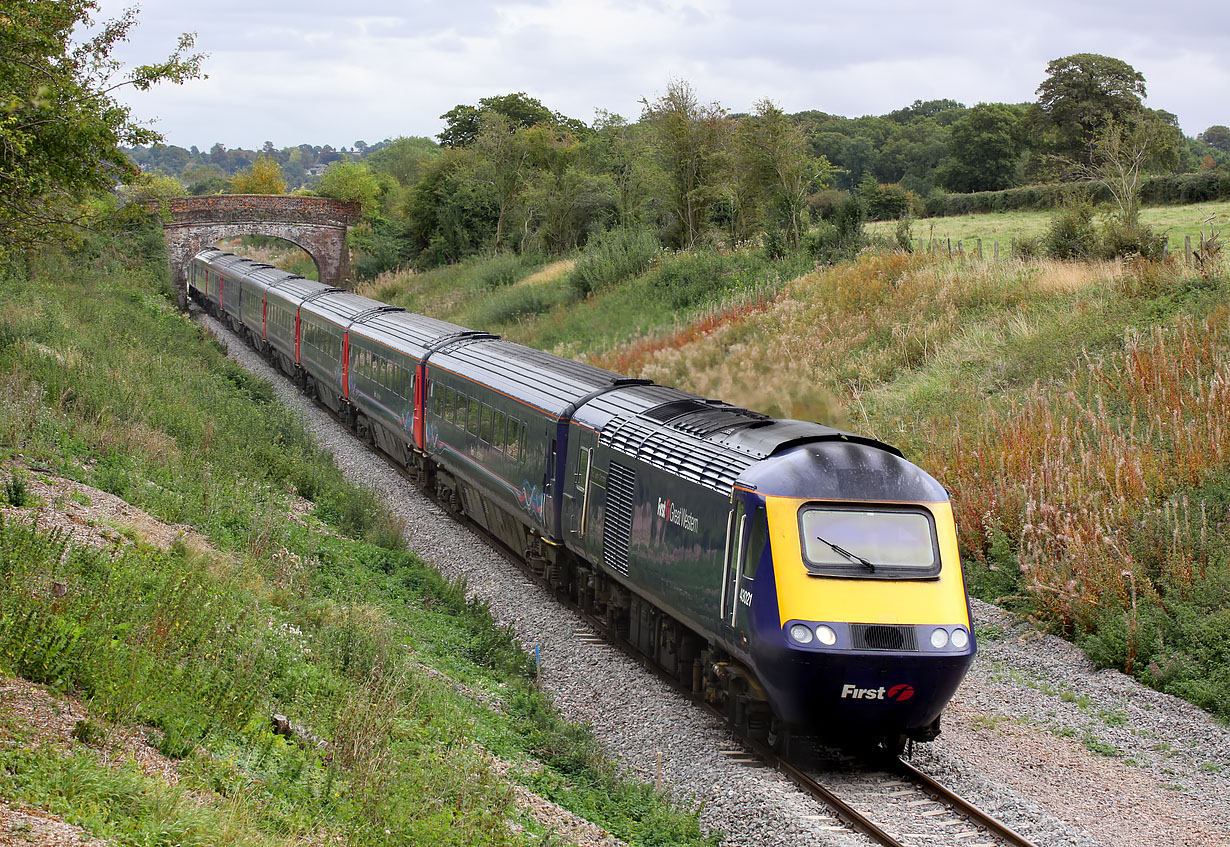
(883, 798)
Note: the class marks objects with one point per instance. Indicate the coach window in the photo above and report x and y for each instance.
(499, 428)
(484, 432)
(472, 416)
(757, 538)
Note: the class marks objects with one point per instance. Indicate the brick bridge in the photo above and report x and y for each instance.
(317, 224)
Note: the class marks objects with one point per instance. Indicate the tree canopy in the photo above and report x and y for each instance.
(1081, 95)
(264, 177)
(464, 123)
(60, 126)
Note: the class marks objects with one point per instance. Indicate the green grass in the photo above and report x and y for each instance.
(1002, 227)
(327, 620)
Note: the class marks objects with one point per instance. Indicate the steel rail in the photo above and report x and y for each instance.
(945, 795)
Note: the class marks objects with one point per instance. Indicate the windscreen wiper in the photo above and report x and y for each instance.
(851, 556)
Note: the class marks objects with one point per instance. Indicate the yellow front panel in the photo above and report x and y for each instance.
(802, 596)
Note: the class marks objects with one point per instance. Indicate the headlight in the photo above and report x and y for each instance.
(826, 635)
(939, 638)
(960, 638)
(801, 633)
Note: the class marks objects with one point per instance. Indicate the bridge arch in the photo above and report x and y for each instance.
(316, 224)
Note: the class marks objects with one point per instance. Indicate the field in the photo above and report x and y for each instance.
(246, 578)
(1177, 221)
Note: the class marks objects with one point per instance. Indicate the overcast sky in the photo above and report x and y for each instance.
(334, 72)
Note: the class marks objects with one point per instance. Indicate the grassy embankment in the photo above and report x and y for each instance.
(422, 699)
(1075, 410)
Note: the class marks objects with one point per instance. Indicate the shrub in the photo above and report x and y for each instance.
(507, 269)
(612, 257)
(689, 278)
(1071, 234)
(512, 303)
(823, 205)
(887, 202)
(1120, 240)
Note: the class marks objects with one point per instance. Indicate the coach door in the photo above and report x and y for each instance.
(732, 561)
(579, 498)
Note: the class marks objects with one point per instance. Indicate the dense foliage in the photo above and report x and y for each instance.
(511, 175)
(61, 127)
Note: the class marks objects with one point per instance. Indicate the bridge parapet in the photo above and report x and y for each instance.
(317, 224)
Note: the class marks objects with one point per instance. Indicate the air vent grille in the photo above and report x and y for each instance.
(883, 637)
(617, 527)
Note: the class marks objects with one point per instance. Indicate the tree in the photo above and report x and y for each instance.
(1120, 155)
(463, 123)
(61, 128)
(625, 152)
(691, 143)
(404, 159)
(263, 177)
(1217, 136)
(986, 145)
(1081, 95)
(353, 182)
(773, 151)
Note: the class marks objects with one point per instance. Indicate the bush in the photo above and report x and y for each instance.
(508, 269)
(823, 205)
(612, 257)
(1071, 234)
(887, 202)
(1120, 241)
(511, 303)
(689, 278)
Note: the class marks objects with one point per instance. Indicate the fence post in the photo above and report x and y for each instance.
(1014, 245)
(1187, 247)
(997, 251)
(960, 248)
(979, 248)
(949, 242)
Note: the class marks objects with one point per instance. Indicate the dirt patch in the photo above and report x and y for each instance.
(51, 720)
(88, 515)
(26, 827)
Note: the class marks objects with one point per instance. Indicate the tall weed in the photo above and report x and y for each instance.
(612, 257)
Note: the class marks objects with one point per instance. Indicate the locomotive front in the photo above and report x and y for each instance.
(856, 612)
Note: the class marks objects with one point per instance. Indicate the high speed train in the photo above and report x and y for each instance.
(801, 578)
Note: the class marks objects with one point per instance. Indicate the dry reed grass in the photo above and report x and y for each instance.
(549, 273)
(1071, 474)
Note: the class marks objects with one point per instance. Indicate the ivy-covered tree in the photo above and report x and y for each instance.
(61, 127)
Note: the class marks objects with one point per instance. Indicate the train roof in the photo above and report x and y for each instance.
(710, 442)
(250, 269)
(551, 383)
(410, 333)
(341, 307)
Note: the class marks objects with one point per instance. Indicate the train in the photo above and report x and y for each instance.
(802, 579)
